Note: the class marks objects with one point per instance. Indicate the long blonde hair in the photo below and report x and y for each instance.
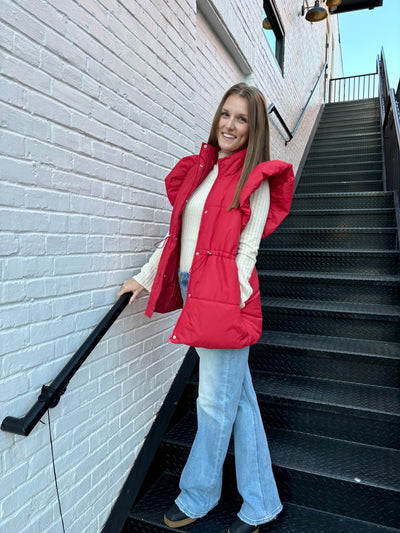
(258, 143)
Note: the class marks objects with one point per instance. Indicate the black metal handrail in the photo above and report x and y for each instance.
(50, 394)
(272, 109)
(350, 88)
(390, 122)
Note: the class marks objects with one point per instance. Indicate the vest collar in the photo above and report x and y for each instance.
(230, 163)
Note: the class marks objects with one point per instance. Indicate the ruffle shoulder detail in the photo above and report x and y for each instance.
(281, 183)
(174, 180)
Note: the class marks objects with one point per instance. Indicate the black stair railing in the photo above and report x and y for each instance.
(272, 109)
(50, 394)
(390, 123)
(349, 88)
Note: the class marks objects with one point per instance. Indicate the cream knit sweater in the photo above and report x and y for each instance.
(248, 244)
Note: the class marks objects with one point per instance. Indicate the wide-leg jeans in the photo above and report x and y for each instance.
(227, 403)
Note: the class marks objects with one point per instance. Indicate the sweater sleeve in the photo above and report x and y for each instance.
(250, 239)
(148, 271)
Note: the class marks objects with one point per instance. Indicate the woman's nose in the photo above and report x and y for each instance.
(230, 124)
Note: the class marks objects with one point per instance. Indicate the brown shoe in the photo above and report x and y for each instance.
(174, 517)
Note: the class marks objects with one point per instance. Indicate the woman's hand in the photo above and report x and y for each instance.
(133, 286)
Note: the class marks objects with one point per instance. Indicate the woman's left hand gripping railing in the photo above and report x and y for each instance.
(50, 394)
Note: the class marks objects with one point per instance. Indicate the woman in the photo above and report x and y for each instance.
(224, 201)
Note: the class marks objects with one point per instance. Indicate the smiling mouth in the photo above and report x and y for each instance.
(228, 136)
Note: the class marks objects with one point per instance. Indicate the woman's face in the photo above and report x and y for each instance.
(233, 125)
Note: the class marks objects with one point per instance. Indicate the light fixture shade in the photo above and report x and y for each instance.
(333, 3)
(316, 13)
(267, 24)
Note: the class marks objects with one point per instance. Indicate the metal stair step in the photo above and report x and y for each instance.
(342, 175)
(328, 167)
(348, 157)
(321, 472)
(362, 148)
(348, 134)
(328, 143)
(340, 218)
(146, 516)
(349, 479)
(351, 186)
(340, 201)
(343, 410)
(355, 116)
(344, 117)
(348, 121)
(370, 105)
(347, 411)
(362, 262)
(331, 128)
(336, 319)
(331, 143)
(347, 137)
(333, 358)
(338, 238)
(330, 287)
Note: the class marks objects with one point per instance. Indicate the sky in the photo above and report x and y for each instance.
(362, 35)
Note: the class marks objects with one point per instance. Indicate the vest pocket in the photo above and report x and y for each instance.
(210, 324)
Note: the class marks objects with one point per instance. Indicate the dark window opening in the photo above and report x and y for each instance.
(273, 30)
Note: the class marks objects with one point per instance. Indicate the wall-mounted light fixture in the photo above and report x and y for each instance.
(316, 13)
(333, 3)
(267, 24)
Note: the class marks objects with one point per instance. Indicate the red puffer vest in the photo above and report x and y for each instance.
(211, 316)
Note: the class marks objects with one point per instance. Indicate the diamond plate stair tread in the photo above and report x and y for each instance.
(342, 200)
(374, 310)
(299, 276)
(367, 231)
(321, 177)
(293, 518)
(343, 167)
(334, 144)
(365, 105)
(374, 154)
(343, 137)
(359, 173)
(354, 186)
(387, 350)
(334, 231)
(320, 260)
(331, 251)
(342, 238)
(346, 150)
(359, 119)
(356, 463)
(367, 195)
(328, 125)
(345, 194)
(323, 456)
(329, 212)
(368, 398)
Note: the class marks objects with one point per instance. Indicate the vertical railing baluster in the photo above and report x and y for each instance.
(352, 87)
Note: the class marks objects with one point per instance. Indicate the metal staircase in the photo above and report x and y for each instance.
(326, 369)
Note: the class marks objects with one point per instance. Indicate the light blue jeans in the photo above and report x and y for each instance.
(227, 402)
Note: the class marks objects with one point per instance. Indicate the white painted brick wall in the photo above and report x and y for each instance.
(98, 100)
